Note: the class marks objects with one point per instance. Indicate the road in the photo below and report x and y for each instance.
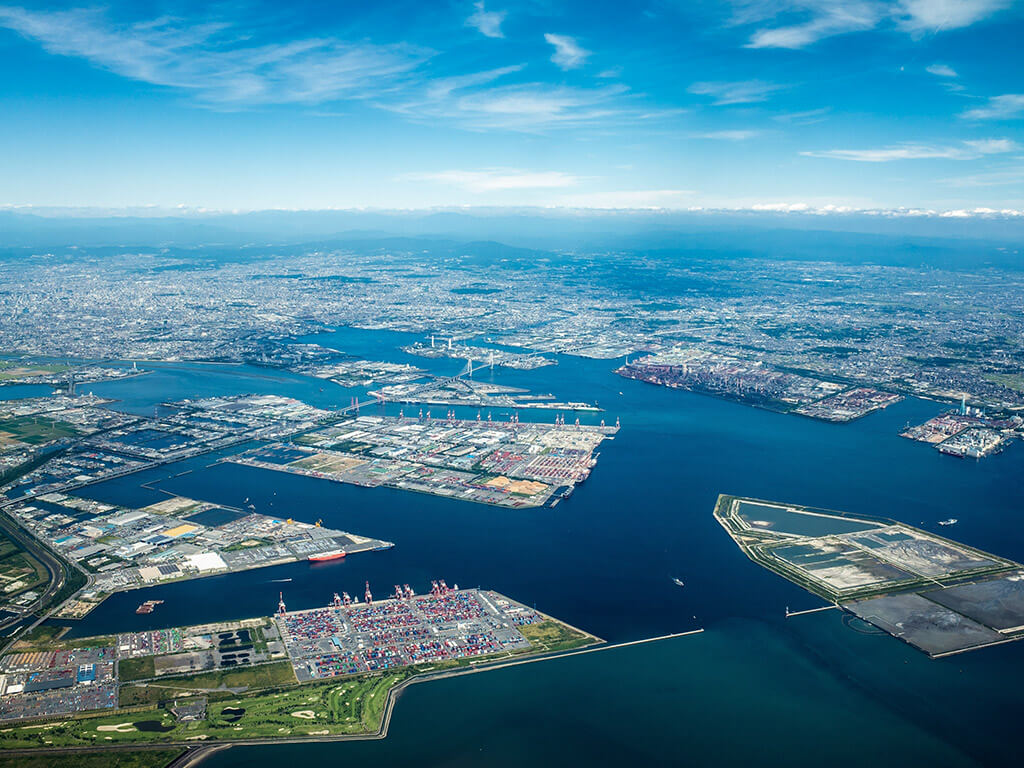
(53, 564)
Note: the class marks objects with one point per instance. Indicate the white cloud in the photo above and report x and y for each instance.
(733, 135)
(527, 107)
(826, 18)
(968, 150)
(536, 105)
(807, 117)
(442, 87)
(935, 15)
(999, 107)
(800, 23)
(742, 92)
(782, 207)
(488, 22)
(992, 146)
(568, 53)
(213, 63)
(942, 70)
(497, 179)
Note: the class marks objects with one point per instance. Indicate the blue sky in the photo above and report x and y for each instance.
(751, 103)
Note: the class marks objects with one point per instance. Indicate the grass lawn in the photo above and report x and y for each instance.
(15, 371)
(331, 707)
(34, 430)
(135, 669)
(554, 636)
(151, 758)
(44, 638)
(207, 683)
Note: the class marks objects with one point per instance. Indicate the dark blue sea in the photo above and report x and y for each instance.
(755, 688)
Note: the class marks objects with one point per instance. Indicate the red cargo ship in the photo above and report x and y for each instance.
(320, 557)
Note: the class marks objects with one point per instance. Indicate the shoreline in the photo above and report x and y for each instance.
(196, 751)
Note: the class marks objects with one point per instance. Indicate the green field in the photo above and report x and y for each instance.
(554, 636)
(135, 669)
(46, 637)
(34, 430)
(150, 758)
(14, 371)
(1013, 381)
(348, 706)
(215, 684)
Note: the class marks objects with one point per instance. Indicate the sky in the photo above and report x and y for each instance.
(685, 104)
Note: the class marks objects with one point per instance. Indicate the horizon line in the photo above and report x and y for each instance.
(797, 209)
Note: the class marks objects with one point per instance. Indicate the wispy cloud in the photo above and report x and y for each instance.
(742, 92)
(1009, 105)
(214, 63)
(967, 150)
(218, 66)
(568, 53)
(941, 70)
(497, 179)
(800, 23)
(936, 15)
(823, 18)
(485, 101)
(806, 117)
(442, 87)
(734, 135)
(488, 22)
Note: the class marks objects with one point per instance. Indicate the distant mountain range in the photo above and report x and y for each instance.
(495, 236)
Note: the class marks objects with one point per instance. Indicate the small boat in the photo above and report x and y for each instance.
(333, 554)
(678, 582)
(950, 521)
(279, 581)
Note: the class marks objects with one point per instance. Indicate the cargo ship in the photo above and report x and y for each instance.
(148, 606)
(320, 557)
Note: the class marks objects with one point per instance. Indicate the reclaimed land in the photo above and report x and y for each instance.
(264, 702)
(757, 545)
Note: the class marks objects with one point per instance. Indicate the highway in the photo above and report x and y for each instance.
(53, 564)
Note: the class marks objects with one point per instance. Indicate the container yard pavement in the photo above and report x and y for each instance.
(325, 642)
(511, 464)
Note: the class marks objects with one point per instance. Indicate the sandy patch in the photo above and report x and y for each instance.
(119, 728)
(305, 714)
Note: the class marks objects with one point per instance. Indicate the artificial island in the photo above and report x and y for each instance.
(323, 673)
(940, 596)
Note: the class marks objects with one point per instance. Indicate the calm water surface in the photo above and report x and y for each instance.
(755, 687)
